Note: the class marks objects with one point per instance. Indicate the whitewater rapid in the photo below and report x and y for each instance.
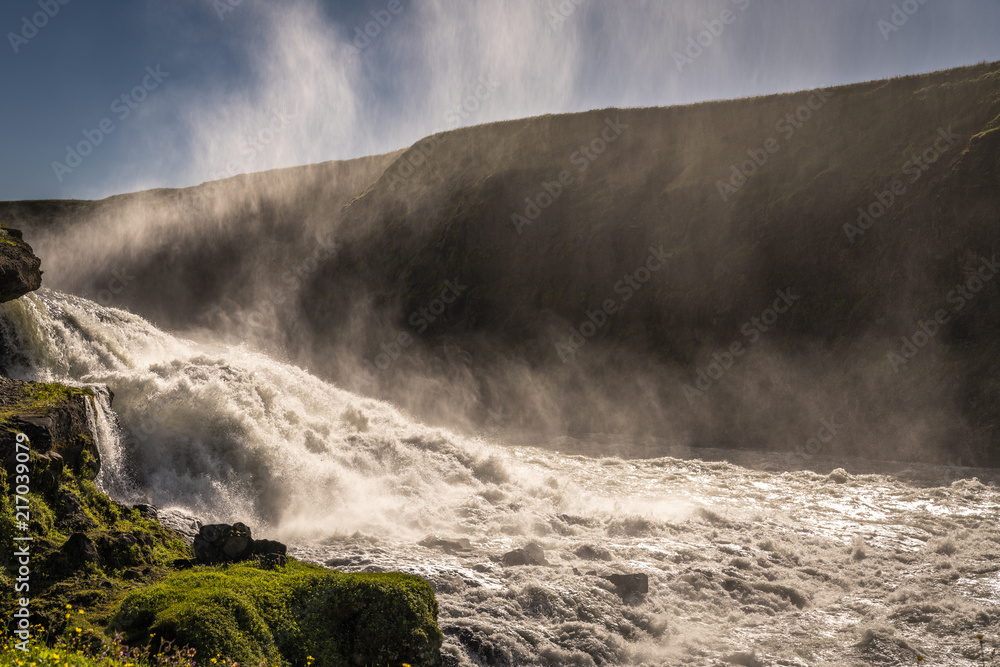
(749, 566)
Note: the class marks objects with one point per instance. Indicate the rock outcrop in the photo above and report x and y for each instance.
(529, 554)
(628, 585)
(224, 543)
(55, 419)
(19, 267)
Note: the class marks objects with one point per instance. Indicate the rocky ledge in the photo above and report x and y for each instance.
(20, 269)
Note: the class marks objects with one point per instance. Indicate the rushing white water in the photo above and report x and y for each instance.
(751, 567)
(231, 434)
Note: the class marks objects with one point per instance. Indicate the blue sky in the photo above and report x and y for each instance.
(217, 87)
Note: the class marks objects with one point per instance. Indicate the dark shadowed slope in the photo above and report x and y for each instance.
(692, 274)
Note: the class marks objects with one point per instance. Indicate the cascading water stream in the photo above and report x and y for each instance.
(230, 434)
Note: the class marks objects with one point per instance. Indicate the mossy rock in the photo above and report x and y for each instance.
(63, 501)
(55, 418)
(285, 615)
(245, 613)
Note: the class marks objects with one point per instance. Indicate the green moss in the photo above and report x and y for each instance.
(5, 238)
(283, 616)
(40, 398)
(62, 502)
(51, 394)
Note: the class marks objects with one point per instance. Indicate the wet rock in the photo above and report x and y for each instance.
(185, 563)
(80, 550)
(517, 557)
(839, 476)
(536, 552)
(745, 659)
(530, 554)
(19, 267)
(446, 545)
(588, 552)
(339, 562)
(224, 543)
(268, 547)
(186, 524)
(574, 520)
(628, 585)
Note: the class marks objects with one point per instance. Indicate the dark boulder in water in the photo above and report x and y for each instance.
(224, 543)
(536, 553)
(531, 554)
(629, 584)
(517, 557)
(588, 552)
(267, 547)
(446, 545)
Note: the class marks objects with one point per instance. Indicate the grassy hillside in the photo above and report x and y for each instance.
(619, 271)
